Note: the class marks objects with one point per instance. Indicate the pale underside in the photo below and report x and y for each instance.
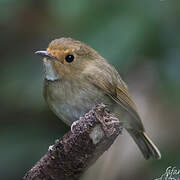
(70, 103)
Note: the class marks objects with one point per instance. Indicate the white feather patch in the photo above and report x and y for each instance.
(49, 71)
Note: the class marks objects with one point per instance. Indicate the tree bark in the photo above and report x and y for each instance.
(77, 150)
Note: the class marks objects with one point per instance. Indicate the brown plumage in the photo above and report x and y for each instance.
(77, 78)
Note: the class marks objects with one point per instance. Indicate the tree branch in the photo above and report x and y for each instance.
(77, 150)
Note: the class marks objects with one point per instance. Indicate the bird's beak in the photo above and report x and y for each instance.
(45, 54)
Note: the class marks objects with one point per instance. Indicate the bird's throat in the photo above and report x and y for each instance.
(49, 72)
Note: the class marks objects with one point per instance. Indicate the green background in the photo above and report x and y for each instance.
(140, 38)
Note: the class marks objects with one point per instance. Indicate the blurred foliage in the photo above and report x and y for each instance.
(129, 34)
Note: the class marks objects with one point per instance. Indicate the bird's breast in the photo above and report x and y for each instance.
(70, 100)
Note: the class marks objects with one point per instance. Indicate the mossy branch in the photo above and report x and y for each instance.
(77, 150)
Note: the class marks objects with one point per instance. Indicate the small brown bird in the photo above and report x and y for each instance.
(76, 78)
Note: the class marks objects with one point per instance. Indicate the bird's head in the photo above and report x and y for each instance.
(66, 58)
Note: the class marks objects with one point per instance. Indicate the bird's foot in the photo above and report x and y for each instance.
(109, 123)
(73, 125)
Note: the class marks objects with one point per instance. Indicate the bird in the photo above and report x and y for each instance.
(77, 77)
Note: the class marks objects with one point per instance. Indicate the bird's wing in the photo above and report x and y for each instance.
(112, 85)
(123, 98)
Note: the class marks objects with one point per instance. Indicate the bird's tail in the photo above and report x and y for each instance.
(145, 144)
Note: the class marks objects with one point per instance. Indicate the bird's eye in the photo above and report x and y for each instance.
(69, 58)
